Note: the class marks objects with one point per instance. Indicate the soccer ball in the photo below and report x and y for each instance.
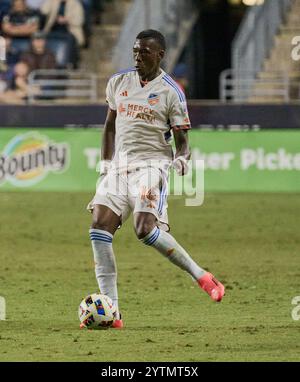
(96, 311)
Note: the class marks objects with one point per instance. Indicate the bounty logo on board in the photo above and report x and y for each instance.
(28, 158)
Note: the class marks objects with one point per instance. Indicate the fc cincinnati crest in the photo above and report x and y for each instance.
(153, 99)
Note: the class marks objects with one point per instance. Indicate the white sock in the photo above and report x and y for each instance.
(105, 264)
(168, 246)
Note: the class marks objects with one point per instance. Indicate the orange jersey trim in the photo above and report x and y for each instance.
(181, 127)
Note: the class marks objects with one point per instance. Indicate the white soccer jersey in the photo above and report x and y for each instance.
(145, 115)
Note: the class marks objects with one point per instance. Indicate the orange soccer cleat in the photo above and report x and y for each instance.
(212, 286)
(117, 324)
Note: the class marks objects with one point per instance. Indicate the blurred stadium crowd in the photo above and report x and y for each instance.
(63, 51)
(42, 34)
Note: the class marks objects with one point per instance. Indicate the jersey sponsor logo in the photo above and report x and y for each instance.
(153, 99)
(149, 118)
(28, 158)
(135, 111)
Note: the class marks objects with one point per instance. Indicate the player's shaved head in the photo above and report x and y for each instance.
(153, 34)
(148, 51)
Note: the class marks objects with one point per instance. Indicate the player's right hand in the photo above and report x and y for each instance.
(104, 167)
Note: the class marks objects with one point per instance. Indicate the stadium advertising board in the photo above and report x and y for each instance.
(66, 159)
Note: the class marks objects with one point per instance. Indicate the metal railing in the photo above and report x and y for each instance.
(173, 18)
(255, 36)
(244, 87)
(45, 85)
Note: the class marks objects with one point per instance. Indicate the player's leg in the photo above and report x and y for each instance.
(110, 209)
(104, 225)
(105, 219)
(148, 232)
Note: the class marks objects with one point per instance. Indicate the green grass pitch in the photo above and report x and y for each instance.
(249, 241)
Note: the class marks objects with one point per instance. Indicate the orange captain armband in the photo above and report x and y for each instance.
(181, 127)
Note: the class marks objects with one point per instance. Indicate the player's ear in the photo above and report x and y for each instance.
(161, 54)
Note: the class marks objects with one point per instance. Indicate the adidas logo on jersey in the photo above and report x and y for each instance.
(124, 94)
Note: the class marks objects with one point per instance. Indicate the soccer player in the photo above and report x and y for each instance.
(144, 106)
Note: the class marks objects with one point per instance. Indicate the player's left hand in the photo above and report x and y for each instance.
(180, 165)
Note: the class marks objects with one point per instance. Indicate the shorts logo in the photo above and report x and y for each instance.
(148, 196)
(27, 159)
(153, 99)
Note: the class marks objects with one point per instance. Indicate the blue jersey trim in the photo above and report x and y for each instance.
(170, 81)
(176, 85)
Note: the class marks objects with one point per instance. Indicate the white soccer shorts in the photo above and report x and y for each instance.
(139, 190)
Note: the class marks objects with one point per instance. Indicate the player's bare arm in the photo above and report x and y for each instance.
(104, 218)
(183, 153)
(182, 143)
(108, 142)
